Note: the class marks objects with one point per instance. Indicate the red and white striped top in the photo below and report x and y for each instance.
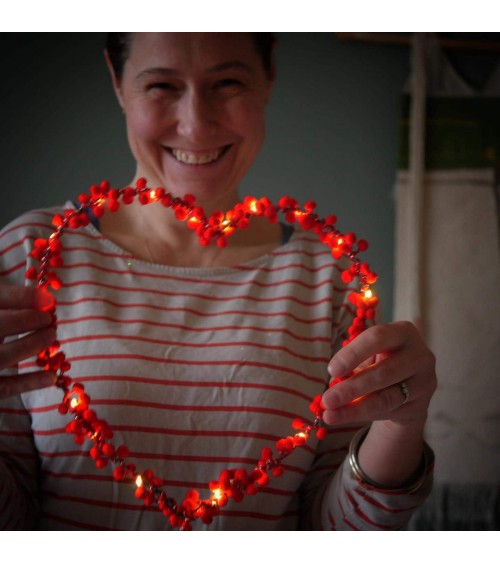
(195, 370)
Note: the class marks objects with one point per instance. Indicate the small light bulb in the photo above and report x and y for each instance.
(368, 294)
(217, 494)
(138, 481)
(253, 206)
(74, 402)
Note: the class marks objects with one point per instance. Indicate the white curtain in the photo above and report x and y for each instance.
(448, 279)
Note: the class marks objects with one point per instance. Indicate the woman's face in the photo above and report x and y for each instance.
(194, 105)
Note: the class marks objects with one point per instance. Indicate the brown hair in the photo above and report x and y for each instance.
(118, 48)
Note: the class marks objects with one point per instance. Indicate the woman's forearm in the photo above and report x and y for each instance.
(391, 453)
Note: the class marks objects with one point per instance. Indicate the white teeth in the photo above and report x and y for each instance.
(190, 158)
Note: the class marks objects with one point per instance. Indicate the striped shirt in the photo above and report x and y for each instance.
(195, 370)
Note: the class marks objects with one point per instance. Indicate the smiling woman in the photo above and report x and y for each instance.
(195, 108)
(193, 102)
(198, 357)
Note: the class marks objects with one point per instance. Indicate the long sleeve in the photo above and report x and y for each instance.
(19, 474)
(349, 504)
(18, 468)
(333, 498)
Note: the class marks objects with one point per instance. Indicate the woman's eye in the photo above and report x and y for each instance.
(229, 84)
(162, 86)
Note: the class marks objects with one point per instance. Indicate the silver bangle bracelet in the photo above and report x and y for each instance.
(361, 476)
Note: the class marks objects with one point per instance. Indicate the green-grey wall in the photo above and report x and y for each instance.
(332, 130)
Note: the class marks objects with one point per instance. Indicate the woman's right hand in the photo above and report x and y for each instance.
(22, 313)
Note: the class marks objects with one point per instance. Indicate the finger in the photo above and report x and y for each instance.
(19, 321)
(13, 352)
(379, 405)
(21, 297)
(384, 373)
(373, 341)
(14, 384)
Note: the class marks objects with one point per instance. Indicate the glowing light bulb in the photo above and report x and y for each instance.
(217, 494)
(138, 481)
(302, 435)
(368, 294)
(253, 206)
(74, 403)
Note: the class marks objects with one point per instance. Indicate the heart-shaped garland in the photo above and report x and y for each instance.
(232, 483)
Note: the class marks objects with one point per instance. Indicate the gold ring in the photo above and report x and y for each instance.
(406, 391)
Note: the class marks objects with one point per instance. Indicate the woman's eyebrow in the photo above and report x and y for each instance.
(230, 65)
(166, 71)
(155, 71)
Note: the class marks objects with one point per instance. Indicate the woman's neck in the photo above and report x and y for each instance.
(153, 233)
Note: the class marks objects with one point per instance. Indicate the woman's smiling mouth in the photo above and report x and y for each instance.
(197, 158)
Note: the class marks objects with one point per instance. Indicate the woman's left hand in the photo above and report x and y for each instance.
(393, 377)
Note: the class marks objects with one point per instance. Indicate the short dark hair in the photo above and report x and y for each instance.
(118, 48)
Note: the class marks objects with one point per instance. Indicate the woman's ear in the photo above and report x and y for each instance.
(114, 79)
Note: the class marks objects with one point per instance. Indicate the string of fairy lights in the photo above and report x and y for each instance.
(85, 424)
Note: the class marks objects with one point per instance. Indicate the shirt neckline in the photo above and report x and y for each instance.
(288, 235)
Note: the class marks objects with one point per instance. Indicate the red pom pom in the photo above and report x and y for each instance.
(267, 453)
(222, 241)
(119, 473)
(101, 463)
(58, 220)
(98, 211)
(31, 273)
(189, 200)
(321, 433)
(347, 276)
(113, 205)
(252, 489)
(122, 452)
(278, 470)
(108, 449)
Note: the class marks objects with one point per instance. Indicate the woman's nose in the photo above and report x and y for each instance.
(196, 116)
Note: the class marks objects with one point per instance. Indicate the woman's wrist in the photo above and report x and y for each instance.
(391, 452)
(408, 485)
